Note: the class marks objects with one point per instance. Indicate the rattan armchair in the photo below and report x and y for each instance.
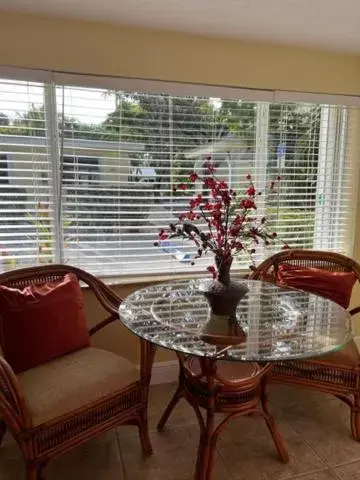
(46, 412)
(337, 373)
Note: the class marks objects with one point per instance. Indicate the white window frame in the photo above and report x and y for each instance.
(331, 121)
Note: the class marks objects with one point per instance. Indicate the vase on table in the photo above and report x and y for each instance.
(223, 296)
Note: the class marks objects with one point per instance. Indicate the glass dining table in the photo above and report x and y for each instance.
(272, 324)
(279, 323)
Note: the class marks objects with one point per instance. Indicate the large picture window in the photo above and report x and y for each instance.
(88, 174)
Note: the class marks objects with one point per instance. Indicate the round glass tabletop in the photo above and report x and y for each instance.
(279, 323)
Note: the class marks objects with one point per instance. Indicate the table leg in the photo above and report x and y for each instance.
(173, 402)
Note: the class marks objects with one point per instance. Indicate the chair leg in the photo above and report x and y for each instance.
(355, 418)
(3, 429)
(144, 433)
(173, 402)
(206, 450)
(35, 471)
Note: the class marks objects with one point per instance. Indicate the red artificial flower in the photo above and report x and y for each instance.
(226, 198)
(234, 231)
(209, 182)
(251, 191)
(238, 220)
(195, 202)
(193, 177)
(163, 235)
(231, 221)
(222, 185)
(239, 246)
(210, 167)
(247, 204)
(212, 270)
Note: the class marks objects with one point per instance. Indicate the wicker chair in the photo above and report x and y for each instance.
(229, 388)
(337, 373)
(56, 406)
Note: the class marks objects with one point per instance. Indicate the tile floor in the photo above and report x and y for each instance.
(314, 426)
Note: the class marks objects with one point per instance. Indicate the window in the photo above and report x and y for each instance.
(79, 169)
(87, 174)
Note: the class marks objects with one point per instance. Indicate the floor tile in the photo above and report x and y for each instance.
(322, 475)
(174, 457)
(159, 398)
(350, 471)
(326, 429)
(248, 451)
(98, 459)
(287, 396)
(10, 459)
(314, 426)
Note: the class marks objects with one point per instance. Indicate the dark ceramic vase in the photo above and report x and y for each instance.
(223, 296)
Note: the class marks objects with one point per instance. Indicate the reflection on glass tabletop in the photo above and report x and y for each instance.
(279, 323)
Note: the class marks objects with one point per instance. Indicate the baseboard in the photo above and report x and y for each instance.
(165, 372)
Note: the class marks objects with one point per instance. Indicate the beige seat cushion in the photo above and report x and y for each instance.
(72, 381)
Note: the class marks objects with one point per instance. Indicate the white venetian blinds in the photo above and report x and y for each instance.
(88, 174)
(26, 201)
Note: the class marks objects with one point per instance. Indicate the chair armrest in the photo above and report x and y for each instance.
(12, 403)
(354, 311)
(107, 297)
(108, 300)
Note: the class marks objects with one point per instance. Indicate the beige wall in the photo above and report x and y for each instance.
(99, 48)
(103, 49)
(116, 337)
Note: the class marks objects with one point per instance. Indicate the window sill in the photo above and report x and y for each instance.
(156, 278)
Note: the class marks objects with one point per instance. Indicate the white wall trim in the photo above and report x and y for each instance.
(175, 88)
(165, 372)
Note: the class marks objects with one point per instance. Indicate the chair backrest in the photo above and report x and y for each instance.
(330, 261)
(20, 278)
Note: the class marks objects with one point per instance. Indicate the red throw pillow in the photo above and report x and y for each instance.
(42, 322)
(334, 285)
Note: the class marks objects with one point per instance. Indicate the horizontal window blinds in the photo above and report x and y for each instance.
(88, 175)
(26, 201)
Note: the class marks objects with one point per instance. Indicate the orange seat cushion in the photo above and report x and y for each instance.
(336, 286)
(42, 322)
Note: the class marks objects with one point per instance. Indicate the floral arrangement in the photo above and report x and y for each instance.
(231, 224)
